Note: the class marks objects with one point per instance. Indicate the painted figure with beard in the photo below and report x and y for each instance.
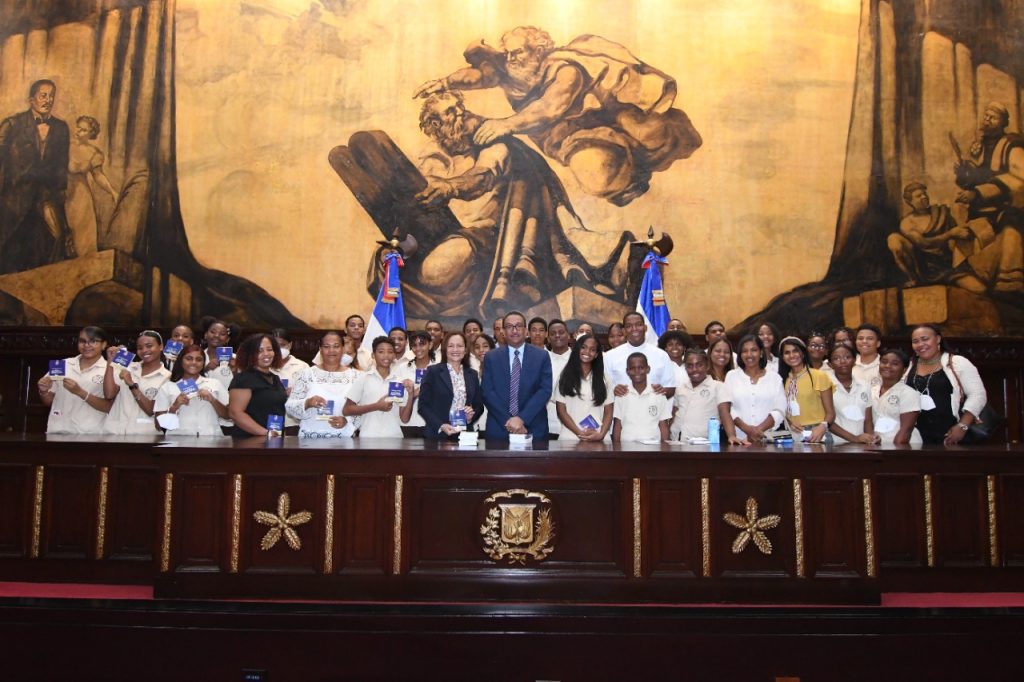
(993, 190)
(513, 247)
(591, 105)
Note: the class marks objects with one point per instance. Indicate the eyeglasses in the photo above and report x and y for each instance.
(816, 346)
(89, 342)
(515, 326)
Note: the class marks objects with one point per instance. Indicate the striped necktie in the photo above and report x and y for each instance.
(513, 389)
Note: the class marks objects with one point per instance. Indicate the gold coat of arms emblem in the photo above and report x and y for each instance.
(518, 526)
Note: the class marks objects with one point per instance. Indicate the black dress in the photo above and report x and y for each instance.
(934, 424)
(268, 397)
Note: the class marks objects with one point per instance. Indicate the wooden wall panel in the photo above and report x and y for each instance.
(900, 532)
(201, 526)
(773, 496)
(364, 523)
(16, 483)
(262, 493)
(70, 495)
(1010, 514)
(673, 528)
(133, 514)
(834, 527)
(961, 520)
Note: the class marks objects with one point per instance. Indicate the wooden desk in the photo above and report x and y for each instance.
(404, 520)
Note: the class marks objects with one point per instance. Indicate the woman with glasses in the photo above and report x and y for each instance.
(74, 392)
(133, 389)
(817, 351)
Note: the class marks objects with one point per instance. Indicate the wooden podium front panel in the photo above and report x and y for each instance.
(264, 548)
(592, 525)
(201, 523)
(1010, 533)
(15, 509)
(133, 515)
(673, 525)
(900, 532)
(773, 496)
(834, 528)
(69, 512)
(960, 520)
(364, 523)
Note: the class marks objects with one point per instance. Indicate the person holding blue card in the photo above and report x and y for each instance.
(290, 370)
(256, 392)
(415, 369)
(133, 385)
(370, 396)
(450, 397)
(583, 397)
(195, 401)
(319, 392)
(76, 401)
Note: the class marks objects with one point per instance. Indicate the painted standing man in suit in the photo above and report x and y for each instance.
(34, 148)
(516, 385)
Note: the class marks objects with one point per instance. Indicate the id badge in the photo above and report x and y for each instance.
(794, 408)
(927, 403)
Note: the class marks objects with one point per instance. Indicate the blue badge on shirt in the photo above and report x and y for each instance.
(224, 354)
(419, 376)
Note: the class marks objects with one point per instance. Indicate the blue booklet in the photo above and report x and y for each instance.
(419, 376)
(396, 391)
(189, 387)
(275, 422)
(325, 411)
(589, 422)
(457, 418)
(172, 349)
(284, 382)
(57, 369)
(224, 354)
(123, 358)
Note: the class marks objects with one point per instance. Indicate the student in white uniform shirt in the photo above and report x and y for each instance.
(369, 396)
(76, 402)
(291, 368)
(222, 371)
(758, 401)
(482, 345)
(675, 343)
(868, 340)
(355, 328)
(400, 338)
(318, 385)
(770, 337)
(896, 405)
(852, 401)
(413, 370)
(197, 414)
(584, 401)
(559, 352)
(134, 389)
(700, 399)
(662, 377)
(471, 329)
(817, 351)
(641, 414)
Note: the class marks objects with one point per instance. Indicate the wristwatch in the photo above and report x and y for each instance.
(133, 387)
(963, 427)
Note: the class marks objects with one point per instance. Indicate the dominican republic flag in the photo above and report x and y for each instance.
(651, 303)
(389, 311)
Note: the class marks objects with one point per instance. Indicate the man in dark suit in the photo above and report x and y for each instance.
(516, 384)
(34, 149)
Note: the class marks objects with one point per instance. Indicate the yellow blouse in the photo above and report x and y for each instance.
(809, 385)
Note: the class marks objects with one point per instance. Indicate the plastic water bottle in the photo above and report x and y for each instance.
(713, 424)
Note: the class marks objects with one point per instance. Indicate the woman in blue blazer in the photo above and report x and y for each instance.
(448, 386)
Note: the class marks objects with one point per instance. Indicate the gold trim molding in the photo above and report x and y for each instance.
(165, 548)
(329, 527)
(236, 520)
(993, 522)
(396, 559)
(637, 547)
(798, 525)
(37, 511)
(705, 527)
(869, 530)
(929, 527)
(101, 512)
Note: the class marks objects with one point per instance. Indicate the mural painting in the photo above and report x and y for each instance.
(831, 161)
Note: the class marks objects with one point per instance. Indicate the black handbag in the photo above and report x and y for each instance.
(985, 424)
